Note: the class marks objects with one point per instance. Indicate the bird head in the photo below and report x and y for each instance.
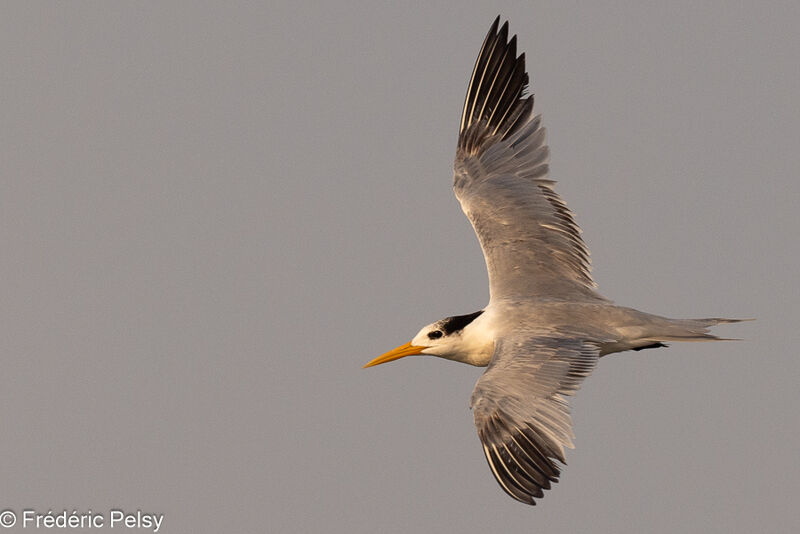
(444, 338)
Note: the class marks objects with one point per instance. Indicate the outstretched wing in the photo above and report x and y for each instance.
(531, 243)
(521, 412)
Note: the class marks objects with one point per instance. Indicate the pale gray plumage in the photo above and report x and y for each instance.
(530, 241)
(520, 411)
(545, 326)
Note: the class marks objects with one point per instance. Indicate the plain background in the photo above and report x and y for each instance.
(212, 214)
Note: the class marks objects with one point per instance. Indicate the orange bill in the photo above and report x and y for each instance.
(403, 350)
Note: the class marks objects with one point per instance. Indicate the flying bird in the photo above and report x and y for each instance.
(545, 326)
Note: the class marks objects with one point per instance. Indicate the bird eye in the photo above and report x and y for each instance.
(436, 334)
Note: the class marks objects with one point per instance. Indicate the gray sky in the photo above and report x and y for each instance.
(212, 215)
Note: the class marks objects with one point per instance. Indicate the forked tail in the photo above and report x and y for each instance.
(693, 329)
(639, 330)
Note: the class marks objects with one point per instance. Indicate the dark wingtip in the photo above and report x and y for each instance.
(504, 31)
(495, 105)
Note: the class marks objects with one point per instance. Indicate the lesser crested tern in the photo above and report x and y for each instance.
(545, 326)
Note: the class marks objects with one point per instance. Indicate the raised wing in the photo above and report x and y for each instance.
(521, 413)
(531, 243)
